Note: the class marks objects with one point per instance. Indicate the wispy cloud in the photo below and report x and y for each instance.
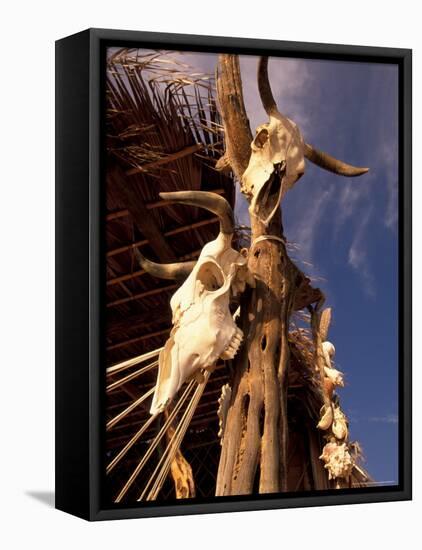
(358, 256)
(306, 233)
(387, 419)
(388, 153)
(350, 200)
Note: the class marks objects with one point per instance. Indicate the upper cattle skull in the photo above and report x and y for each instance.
(277, 158)
(203, 327)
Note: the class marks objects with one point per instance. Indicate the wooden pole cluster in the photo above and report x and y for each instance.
(254, 453)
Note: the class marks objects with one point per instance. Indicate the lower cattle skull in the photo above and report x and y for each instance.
(203, 327)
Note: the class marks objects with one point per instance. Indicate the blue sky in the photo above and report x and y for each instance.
(346, 228)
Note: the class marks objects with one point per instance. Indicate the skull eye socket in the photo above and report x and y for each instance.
(210, 276)
(261, 138)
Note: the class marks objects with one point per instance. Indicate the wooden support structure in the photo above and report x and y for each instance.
(137, 339)
(124, 324)
(257, 418)
(145, 223)
(117, 214)
(140, 295)
(140, 272)
(169, 233)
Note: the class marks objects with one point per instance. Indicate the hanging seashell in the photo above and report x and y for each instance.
(326, 417)
(338, 460)
(328, 351)
(335, 376)
(339, 427)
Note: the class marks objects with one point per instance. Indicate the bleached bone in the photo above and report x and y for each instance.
(276, 163)
(278, 154)
(327, 415)
(338, 460)
(335, 376)
(339, 426)
(203, 327)
(329, 352)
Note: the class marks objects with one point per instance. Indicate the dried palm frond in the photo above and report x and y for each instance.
(158, 106)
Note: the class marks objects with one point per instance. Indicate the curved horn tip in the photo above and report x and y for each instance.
(362, 171)
(178, 270)
(327, 162)
(210, 201)
(355, 171)
(264, 87)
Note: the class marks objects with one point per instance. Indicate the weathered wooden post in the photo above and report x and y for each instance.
(254, 445)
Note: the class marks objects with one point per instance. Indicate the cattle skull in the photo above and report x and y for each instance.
(276, 163)
(203, 327)
(277, 158)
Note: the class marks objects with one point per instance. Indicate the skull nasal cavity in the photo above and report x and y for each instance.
(210, 276)
(261, 138)
(263, 343)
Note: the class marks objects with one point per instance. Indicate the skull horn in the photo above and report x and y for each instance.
(321, 159)
(178, 270)
(265, 93)
(210, 201)
(326, 161)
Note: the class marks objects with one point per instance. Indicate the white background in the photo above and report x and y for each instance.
(27, 273)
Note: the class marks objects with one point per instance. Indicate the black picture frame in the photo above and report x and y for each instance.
(79, 251)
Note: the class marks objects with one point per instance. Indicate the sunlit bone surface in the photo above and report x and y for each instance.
(276, 163)
(203, 329)
(277, 158)
(203, 326)
(338, 460)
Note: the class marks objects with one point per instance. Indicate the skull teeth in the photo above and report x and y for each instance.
(234, 345)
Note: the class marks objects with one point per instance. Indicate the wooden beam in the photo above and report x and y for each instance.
(187, 151)
(150, 206)
(170, 233)
(143, 220)
(138, 339)
(127, 277)
(117, 214)
(125, 288)
(135, 274)
(141, 295)
(139, 320)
